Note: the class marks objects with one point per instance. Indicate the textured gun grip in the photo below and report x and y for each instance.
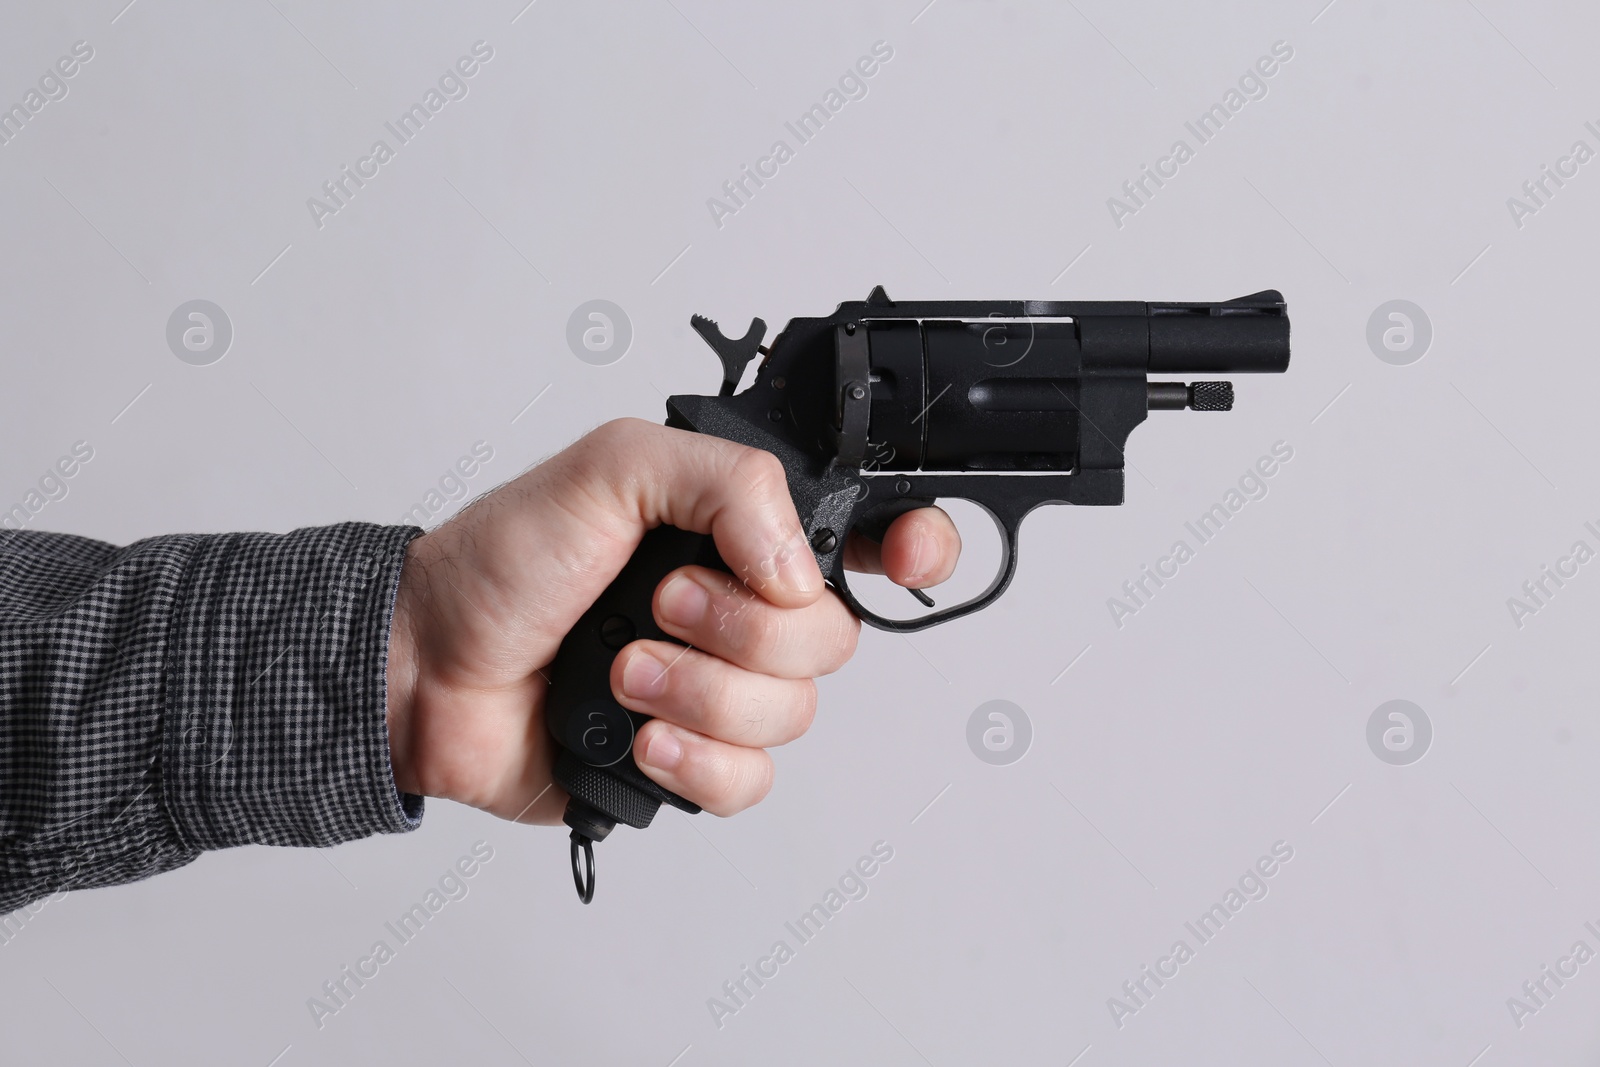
(620, 791)
(595, 733)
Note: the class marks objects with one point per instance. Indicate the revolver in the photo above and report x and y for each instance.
(880, 408)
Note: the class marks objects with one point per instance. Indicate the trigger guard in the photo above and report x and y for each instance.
(997, 587)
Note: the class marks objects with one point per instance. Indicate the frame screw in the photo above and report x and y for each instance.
(824, 540)
(616, 631)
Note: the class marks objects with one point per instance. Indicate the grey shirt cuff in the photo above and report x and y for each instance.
(275, 726)
(191, 692)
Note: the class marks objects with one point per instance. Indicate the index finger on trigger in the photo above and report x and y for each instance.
(919, 549)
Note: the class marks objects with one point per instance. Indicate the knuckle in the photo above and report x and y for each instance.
(752, 780)
(586, 457)
(805, 711)
(606, 471)
(760, 635)
(601, 439)
(761, 471)
(719, 696)
(602, 446)
(621, 431)
(841, 642)
(719, 783)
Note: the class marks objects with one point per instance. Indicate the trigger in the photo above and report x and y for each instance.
(922, 598)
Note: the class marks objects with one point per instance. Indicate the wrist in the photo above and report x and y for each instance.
(403, 669)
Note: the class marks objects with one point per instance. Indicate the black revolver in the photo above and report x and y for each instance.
(880, 408)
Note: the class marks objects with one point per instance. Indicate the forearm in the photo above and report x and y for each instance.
(189, 693)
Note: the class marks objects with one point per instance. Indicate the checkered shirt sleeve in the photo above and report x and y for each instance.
(188, 693)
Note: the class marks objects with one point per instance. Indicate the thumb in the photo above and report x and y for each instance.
(542, 548)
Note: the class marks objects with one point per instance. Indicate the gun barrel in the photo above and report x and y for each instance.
(1246, 336)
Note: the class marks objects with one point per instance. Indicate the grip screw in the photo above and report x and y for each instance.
(617, 631)
(824, 541)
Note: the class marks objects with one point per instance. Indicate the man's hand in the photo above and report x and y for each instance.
(486, 599)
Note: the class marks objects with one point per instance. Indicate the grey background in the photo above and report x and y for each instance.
(1228, 714)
